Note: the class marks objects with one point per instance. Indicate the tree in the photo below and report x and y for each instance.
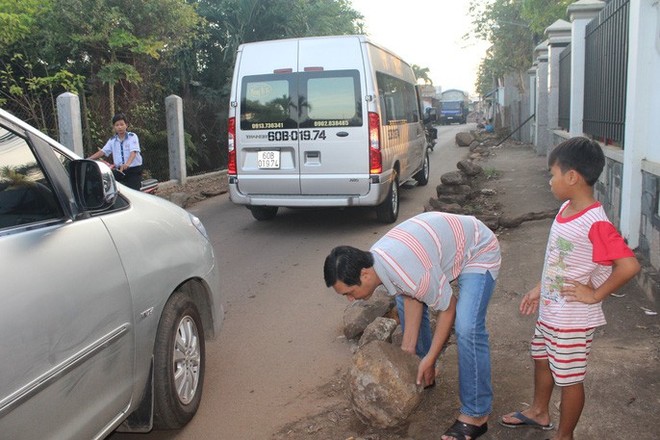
(17, 18)
(117, 40)
(422, 73)
(514, 28)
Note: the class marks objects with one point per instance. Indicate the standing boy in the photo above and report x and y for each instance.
(125, 149)
(416, 261)
(586, 260)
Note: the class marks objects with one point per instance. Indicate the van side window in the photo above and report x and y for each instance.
(398, 98)
(26, 195)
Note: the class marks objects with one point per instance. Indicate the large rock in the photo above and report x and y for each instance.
(464, 139)
(469, 168)
(380, 329)
(453, 189)
(453, 208)
(458, 199)
(382, 384)
(359, 314)
(453, 178)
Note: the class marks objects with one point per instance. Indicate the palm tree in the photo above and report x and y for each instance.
(422, 73)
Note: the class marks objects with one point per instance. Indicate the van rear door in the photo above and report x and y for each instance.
(334, 146)
(267, 154)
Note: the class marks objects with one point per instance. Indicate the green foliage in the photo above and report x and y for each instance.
(131, 54)
(514, 28)
(17, 18)
(32, 88)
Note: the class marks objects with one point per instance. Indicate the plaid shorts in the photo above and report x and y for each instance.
(565, 349)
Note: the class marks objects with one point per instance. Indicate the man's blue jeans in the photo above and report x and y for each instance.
(474, 382)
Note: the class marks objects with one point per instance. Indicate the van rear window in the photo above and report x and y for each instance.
(305, 99)
(268, 102)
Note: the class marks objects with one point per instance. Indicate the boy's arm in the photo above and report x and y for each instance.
(443, 326)
(622, 271)
(128, 161)
(530, 301)
(96, 155)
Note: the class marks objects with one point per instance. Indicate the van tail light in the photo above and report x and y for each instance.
(375, 156)
(231, 146)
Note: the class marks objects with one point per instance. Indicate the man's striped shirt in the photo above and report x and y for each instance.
(422, 255)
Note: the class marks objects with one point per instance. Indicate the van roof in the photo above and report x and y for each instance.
(361, 38)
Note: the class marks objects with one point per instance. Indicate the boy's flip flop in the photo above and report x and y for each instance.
(526, 422)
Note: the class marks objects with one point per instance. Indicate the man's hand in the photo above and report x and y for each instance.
(530, 301)
(426, 371)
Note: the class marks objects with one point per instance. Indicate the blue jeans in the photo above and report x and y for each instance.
(474, 382)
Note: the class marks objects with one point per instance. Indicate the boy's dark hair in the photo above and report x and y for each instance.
(345, 263)
(580, 154)
(119, 117)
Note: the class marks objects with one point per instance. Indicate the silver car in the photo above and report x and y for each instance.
(107, 294)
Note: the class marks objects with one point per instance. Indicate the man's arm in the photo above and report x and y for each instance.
(412, 313)
(443, 326)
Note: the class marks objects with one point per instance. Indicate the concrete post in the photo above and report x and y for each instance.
(542, 135)
(175, 138)
(580, 14)
(532, 102)
(559, 36)
(642, 109)
(69, 122)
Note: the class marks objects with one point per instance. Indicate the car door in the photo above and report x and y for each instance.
(66, 318)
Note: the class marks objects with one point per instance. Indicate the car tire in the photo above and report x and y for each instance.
(263, 212)
(388, 210)
(179, 356)
(422, 176)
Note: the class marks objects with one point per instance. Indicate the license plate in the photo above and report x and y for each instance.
(268, 159)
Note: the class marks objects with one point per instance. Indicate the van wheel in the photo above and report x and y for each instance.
(179, 355)
(422, 176)
(388, 211)
(263, 212)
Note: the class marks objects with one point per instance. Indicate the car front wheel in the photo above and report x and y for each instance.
(179, 356)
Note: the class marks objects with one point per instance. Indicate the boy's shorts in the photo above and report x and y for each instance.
(565, 349)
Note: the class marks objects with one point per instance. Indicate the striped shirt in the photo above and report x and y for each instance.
(421, 256)
(580, 248)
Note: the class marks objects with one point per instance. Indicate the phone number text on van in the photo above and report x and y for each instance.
(296, 135)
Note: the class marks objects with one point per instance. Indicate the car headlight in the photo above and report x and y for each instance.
(198, 224)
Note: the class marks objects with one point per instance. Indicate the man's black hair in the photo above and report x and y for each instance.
(580, 154)
(345, 263)
(119, 117)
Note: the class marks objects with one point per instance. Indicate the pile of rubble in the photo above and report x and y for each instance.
(464, 192)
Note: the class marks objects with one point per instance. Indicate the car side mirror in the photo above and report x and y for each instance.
(94, 186)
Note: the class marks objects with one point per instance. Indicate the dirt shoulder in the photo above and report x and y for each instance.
(622, 385)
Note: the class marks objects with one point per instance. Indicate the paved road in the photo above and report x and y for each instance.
(280, 339)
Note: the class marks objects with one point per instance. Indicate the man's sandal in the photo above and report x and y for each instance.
(460, 430)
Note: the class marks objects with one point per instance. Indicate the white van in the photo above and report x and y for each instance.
(323, 121)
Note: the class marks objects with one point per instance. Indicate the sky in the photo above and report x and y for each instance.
(428, 33)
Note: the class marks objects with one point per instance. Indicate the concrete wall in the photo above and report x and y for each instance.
(629, 187)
